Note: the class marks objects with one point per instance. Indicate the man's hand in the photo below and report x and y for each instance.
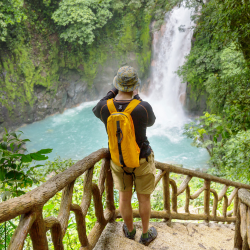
(135, 92)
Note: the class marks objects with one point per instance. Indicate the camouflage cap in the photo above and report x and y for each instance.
(127, 79)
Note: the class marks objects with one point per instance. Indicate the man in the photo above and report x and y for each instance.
(126, 84)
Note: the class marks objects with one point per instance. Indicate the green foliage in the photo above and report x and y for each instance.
(144, 56)
(233, 157)
(204, 58)
(229, 150)
(218, 64)
(21, 71)
(7, 229)
(81, 18)
(207, 132)
(11, 13)
(233, 16)
(16, 172)
(229, 92)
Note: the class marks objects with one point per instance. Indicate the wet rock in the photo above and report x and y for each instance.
(38, 116)
(71, 89)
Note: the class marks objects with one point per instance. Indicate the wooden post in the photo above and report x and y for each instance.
(166, 193)
(243, 225)
(38, 233)
(206, 199)
(248, 225)
(187, 199)
(98, 204)
(55, 227)
(102, 176)
(174, 195)
(225, 205)
(237, 235)
(64, 211)
(109, 187)
(215, 202)
(18, 238)
(166, 197)
(236, 202)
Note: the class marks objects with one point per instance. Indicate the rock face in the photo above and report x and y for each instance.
(195, 106)
(71, 90)
(180, 236)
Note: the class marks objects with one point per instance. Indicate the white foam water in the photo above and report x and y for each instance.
(167, 92)
(170, 46)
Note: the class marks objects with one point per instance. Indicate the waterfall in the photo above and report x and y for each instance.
(167, 94)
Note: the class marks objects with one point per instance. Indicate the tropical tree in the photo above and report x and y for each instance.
(11, 13)
(80, 18)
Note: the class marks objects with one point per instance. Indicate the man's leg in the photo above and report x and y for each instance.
(144, 210)
(126, 208)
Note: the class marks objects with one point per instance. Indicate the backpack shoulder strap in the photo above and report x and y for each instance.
(132, 106)
(111, 106)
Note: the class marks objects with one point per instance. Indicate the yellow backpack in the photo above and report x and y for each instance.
(123, 148)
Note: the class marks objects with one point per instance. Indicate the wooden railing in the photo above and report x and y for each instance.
(30, 205)
(242, 226)
(170, 200)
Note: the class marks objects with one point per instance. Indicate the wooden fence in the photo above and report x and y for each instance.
(170, 208)
(30, 205)
(242, 226)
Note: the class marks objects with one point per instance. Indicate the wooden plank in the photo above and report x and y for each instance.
(40, 195)
(193, 173)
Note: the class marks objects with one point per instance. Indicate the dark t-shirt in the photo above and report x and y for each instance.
(143, 117)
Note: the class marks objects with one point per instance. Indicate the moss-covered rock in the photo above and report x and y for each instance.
(41, 74)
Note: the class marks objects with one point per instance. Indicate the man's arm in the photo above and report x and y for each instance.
(150, 112)
(151, 116)
(97, 109)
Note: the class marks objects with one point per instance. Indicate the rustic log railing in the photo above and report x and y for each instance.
(30, 205)
(170, 200)
(242, 226)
